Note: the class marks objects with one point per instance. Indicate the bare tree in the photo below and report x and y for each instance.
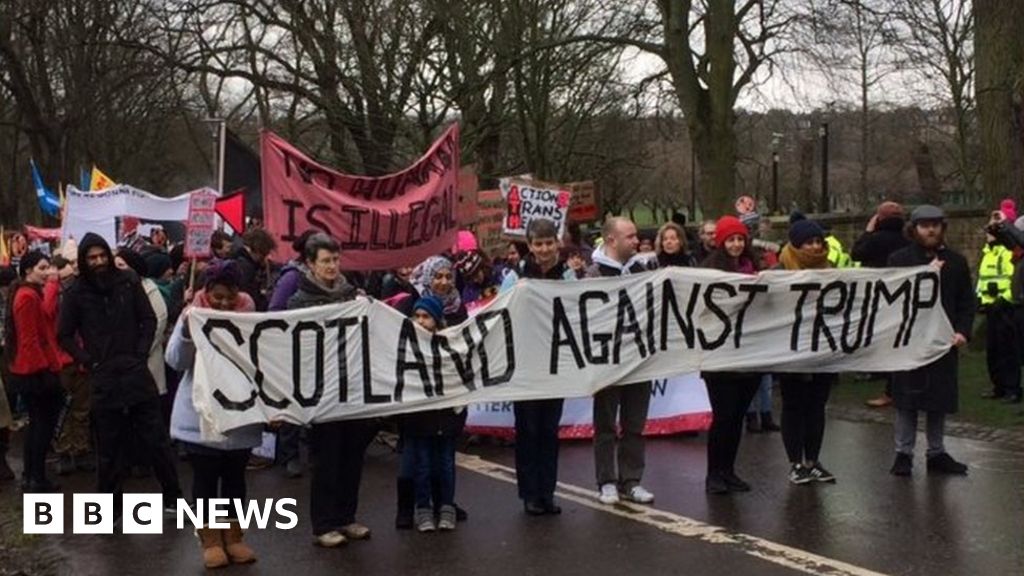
(938, 41)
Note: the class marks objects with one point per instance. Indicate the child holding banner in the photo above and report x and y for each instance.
(430, 439)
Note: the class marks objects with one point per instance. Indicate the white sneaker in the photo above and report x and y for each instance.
(331, 539)
(609, 494)
(639, 494)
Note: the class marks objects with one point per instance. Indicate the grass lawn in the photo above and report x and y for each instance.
(973, 383)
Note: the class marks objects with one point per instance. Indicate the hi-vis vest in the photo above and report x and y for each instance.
(995, 274)
(836, 255)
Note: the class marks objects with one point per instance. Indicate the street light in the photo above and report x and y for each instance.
(776, 137)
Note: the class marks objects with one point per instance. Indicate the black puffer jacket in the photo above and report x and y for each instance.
(110, 314)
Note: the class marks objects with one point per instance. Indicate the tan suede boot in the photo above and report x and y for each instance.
(212, 541)
(238, 551)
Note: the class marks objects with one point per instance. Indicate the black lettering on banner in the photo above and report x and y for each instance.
(560, 325)
(798, 314)
(685, 323)
(292, 206)
(709, 303)
(435, 348)
(624, 324)
(376, 244)
(658, 387)
(413, 237)
(219, 324)
(601, 339)
(407, 340)
(354, 241)
(316, 222)
(342, 325)
(433, 220)
(919, 304)
(368, 396)
(318, 363)
(649, 300)
(882, 293)
(865, 309)
(463, 364)
(510, 351)
(394, 223)
(752, 290)
(820, 325)
(254, 357)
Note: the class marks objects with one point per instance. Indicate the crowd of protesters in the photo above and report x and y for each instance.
(97, 353)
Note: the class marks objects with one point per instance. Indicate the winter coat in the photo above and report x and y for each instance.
(934, 387)
(1013, 238)
(52, 292)
(873, 249)
(310, 293)
(287, 284)
(604, 266)
(112, 318)
(34, 346)
(180, 355)
(155, 361)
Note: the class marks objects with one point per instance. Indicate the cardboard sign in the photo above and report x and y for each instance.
(200, 223)
(526, 200)
(584, 206)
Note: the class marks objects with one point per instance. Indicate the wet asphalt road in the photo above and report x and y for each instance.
(867, 523)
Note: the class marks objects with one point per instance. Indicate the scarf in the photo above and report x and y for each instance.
(803, 258)
(678, 259)
(423, 277)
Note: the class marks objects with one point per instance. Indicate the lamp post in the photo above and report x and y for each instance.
(776, 137)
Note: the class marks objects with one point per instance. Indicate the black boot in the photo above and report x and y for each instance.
(406, 504)
(767, 424)
(752, 425)
(5, 470)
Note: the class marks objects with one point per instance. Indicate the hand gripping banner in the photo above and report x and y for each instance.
(548, 339)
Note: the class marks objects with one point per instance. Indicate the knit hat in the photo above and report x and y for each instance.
(465, 241)
(223, 272)
(728, 226)
(29, 261)
(796, 216)
(802, 231)
(1009, 208)
(887, 210)
(431, 305)
(469, 263)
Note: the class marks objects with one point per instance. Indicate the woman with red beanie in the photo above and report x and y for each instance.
(730, 392)
(32, 360)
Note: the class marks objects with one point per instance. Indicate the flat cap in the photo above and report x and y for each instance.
(927, 212)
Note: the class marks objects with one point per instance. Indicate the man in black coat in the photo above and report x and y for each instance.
(257, 244)
(107, 325)
(883, 235)
(933, 388)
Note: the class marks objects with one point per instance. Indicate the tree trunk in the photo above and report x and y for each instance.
(999, 59)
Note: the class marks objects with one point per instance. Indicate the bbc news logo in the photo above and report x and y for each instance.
(144, 513)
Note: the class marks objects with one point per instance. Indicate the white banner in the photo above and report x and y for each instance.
(549, 339)
(97, 211)
(678, 404)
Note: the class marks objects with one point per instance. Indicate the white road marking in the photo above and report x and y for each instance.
(682, 526)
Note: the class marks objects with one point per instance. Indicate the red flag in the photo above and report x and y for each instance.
(232, 209)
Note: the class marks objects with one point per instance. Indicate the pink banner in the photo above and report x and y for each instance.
(381, 222)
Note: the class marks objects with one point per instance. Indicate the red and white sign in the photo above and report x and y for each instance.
(381, 222)
(202, 216)
(526, 200)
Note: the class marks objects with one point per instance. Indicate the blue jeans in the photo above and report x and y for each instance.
(432, 456)
(762, 401)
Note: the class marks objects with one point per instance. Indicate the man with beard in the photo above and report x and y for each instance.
(107, 325)
(933, 388)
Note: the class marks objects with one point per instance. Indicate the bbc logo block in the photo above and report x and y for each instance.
(44, 513)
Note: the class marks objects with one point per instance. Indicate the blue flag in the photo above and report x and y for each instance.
(48, 201)
(86, 179)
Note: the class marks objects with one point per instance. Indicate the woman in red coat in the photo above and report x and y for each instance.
(32, 359)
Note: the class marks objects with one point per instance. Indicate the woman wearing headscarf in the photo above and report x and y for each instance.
(218, 467)
(436, 277)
